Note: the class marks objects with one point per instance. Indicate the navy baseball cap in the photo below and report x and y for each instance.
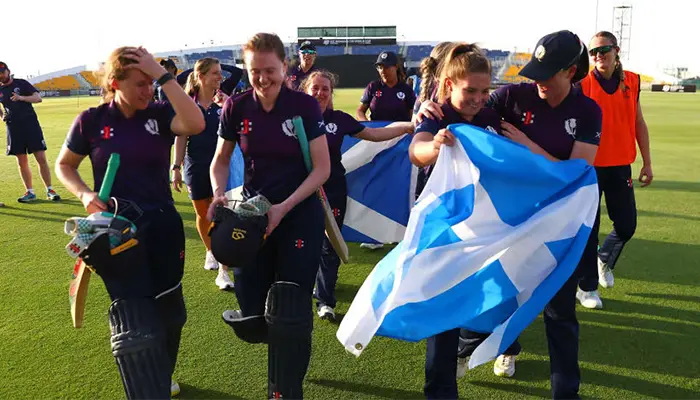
(168, 63)
(3, 67)
(307, 45)
(387, 59)
(553, 53)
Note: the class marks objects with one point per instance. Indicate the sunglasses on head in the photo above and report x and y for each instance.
(602, 50)
(308, 52)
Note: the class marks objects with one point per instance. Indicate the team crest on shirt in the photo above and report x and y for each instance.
(246, 127)
(491, 129)
(288, 129)
(378, 93)
(528, 118)
(107, 132)
(401, 95)
(570, 126)
(292, 78)
(218, 112)
(152, 127)
(16, 91)
(332, 128)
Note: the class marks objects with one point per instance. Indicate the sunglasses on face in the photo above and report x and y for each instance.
(602, 50)
(308, 52)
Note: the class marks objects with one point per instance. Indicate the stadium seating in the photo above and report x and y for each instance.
(67, 82)
(330, 50)
(90, 77)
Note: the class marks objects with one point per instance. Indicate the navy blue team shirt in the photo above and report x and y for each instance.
(274, 166)
(143, 142)
(201, 148)
(389, 103)
(338, 124)
(486, 118)
(297, 75)
(577, 118)
(17, 110)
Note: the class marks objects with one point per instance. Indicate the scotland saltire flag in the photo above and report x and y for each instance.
(381, 188)
(234, 185)
(495, 234)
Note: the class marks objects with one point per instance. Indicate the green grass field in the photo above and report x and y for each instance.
(644, 344)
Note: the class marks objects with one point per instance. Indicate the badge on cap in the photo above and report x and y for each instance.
(383, 56)
(540, 52)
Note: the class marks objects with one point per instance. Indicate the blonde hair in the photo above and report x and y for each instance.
(463, 59)
(202, 67)
(114, 69)
(430, 69)
(332, 78)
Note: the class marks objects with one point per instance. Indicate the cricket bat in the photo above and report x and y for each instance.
(77, 293)
(332, 230)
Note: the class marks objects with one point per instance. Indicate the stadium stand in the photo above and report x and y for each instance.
(67, 82)
(89, 76)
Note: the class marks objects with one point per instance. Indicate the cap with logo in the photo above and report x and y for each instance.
(387, 59)
(308, 46)
(553, 53)
(238, 234)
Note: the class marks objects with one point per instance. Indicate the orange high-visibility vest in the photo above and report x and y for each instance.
(619, 135)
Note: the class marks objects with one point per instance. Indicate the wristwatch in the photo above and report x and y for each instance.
(175, 167)
(165, 78)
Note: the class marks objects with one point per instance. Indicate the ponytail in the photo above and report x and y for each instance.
(192, 85)
(463, 59)
(430, 69)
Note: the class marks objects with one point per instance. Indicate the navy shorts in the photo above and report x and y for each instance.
(24, 137)
(198, 184)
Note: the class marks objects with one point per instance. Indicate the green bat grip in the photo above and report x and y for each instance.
(303, 141)
(112, 167)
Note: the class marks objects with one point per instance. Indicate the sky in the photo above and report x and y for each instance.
(71, 33)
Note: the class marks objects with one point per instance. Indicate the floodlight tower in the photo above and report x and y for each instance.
(622, 29)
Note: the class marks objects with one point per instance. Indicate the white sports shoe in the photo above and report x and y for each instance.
(371, 246)
(223, 281)
(174, 388)
(462, 366)
(504, 366)
(589, 299)
(210, 262)
(326, 312)
(605, 275)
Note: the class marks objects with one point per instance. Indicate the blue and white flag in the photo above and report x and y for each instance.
(381, 188)
(495, 234)
(234, 186)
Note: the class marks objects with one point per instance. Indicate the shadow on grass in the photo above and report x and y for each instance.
(367, 389)
(191, 392)
(665, 296)
(345, 293)
(660, 262)
(643, 387)
(679, 186)
(645, 213)
(3, 212)
(642, 344)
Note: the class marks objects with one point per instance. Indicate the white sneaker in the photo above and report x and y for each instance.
(223, 281)
(504, 366)
(605, 275)
(174, 388)
(210, 262)
(2, 204)
(589, 299)
(371, 246)
(326, 312)
(462, 366)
